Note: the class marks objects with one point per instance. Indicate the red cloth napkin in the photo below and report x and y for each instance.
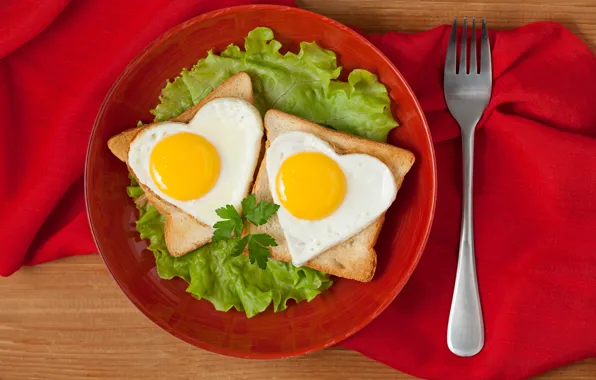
(535, 179)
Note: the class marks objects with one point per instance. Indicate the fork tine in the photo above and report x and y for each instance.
(463, 52)
(485, 64)
(473, 58)
(451, 57)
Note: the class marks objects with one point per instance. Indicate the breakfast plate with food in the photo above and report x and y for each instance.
(281, 173)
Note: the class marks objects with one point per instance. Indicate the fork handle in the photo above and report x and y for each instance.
(465, 331)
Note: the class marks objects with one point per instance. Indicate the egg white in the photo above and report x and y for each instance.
(371, 189)
(235, 128)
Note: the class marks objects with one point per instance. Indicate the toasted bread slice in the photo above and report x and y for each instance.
(354, 258)
(182, 232)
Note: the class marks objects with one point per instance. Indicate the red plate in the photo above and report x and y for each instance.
(336, 314)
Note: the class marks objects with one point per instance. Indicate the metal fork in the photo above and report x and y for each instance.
(467, 93)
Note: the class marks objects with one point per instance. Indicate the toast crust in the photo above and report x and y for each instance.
(182, 232)
(354, 258)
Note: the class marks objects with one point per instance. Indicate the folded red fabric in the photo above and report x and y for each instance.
(535, 179)
(535, 212)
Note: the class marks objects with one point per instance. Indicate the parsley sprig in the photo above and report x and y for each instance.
(232, 224)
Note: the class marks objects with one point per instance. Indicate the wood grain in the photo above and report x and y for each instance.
(68, 319)
(410, 16)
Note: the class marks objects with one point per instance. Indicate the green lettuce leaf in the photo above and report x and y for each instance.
(304, 84)
(224, 280)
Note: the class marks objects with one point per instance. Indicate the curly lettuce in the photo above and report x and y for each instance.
(304, 84)
(226, 281)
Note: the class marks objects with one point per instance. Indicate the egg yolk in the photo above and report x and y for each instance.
(184, 166)
(310, 185)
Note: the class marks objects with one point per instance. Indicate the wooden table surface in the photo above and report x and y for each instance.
(68, 319)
